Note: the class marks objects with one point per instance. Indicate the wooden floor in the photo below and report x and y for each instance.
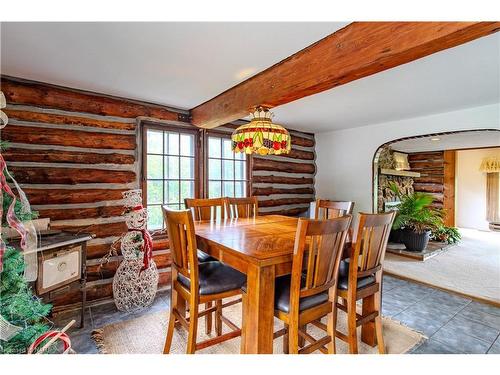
(454, 324)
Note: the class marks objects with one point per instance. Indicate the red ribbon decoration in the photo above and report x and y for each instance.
(63, 337)
(12, 219)
(147, 248)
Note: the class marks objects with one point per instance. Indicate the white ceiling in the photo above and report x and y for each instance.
(175, 64)
(454, 141)
(185, 64)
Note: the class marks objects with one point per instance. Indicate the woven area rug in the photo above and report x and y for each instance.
(146, 335)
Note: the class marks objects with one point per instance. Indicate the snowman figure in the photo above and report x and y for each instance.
(136, 280)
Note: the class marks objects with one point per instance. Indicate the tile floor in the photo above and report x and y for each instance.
(453, 324)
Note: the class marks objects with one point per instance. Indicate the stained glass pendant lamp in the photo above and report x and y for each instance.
(261, 136)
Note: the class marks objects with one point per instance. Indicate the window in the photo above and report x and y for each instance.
(169, 170)
(227, 171)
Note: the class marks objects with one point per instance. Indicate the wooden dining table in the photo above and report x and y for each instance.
(261, 248)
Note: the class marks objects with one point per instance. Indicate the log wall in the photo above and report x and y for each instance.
(75, 152)
(437, 177)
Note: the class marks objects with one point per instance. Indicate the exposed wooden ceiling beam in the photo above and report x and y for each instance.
(358, 50)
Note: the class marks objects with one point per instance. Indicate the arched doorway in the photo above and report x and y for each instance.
(449, 167)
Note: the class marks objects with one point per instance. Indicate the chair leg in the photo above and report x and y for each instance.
(193, 327)
(302, 341)
(182, 308)
(378, 324)
(293, 339)
(285, 340)
(244, 303)
(218, 319)
(208, 319)
(171, 322)
(351, 325)
(332, 328)
(368, 329)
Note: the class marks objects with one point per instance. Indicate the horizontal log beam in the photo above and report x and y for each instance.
(52, 156)
(49, 96)
(107, 270)
(284, 201)
(54, 119)
(277, 166)
(356, 51)
(434, 155)
(98, 251)
(438, 197)
(79, 213)
(70, 176)
(429, 180)
(429, 171)
(67, 137)
(94, 293)
(282, 180)
(303, 142)
(428, 188)
(271, 190)
(98, 230)
(289, 212)
(427, 164)
(299, 154)
(62, 196)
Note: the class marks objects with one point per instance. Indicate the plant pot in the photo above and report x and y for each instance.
(414, 241)
(395, 235)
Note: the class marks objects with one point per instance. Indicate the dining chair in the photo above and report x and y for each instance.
(212, 209)
(207, 209)
(326, 209)
(360, 278)
(242, 207)
(307, 296)
(197, 283)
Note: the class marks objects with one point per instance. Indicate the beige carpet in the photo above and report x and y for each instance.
(471, 267)
(146, 335)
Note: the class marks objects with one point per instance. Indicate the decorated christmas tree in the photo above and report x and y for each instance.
(22, 314)
(19, 307)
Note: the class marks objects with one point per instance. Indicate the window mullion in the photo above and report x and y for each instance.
(163, 175)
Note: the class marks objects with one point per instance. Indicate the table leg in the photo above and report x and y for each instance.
(258, 322)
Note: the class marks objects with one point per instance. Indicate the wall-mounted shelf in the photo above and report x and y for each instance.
(395, 172)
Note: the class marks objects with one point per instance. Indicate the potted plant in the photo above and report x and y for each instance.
(416, 219)
(450, 235)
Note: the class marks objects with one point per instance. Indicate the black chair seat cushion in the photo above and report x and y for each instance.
(215, 277)
(344, 277)
(204, 257)
(282, 296)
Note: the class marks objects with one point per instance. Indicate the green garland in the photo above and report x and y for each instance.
(19, 306)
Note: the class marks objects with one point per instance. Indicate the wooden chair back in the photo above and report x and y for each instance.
(323, 242)
(326, 209)
(206, 209)
(182, 239)
(242, 207)
(367, 254)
